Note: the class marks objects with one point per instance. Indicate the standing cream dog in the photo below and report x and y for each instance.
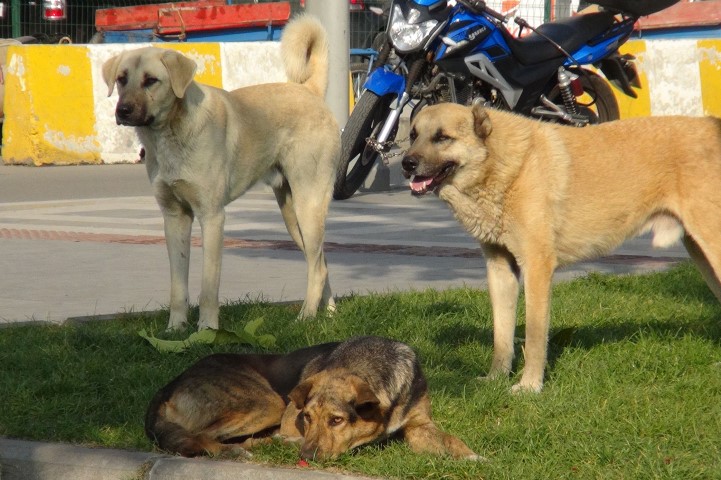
(204, 147)
(538, 196)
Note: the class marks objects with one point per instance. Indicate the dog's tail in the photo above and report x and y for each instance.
(304, 48)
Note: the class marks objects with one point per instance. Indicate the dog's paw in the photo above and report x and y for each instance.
(475, 458)
(330, 307)
(286, 439)
(177, 322)
(521, 387)
(447, 192)
(176, 327)
(208, 323)
(230, 451)
(241, 452)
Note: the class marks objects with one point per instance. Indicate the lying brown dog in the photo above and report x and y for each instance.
(224, 403)
(538, 195)
(343, 395)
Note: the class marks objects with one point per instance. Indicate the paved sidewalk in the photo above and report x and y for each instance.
(84, 241)
(22, 460)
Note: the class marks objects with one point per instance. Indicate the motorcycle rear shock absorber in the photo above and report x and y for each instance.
(567, 95)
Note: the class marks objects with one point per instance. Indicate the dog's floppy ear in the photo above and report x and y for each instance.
(110, 72)
(481, 121)
(366, 402)
(300, 393)
(181, 70)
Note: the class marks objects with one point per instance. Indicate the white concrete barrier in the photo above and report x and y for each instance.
(57, 110)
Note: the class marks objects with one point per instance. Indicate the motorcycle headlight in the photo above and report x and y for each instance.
(407, 33)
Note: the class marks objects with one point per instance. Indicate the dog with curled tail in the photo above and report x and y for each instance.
(204, 147)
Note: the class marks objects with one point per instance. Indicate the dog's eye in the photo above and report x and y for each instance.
(122, 80)
(413, 135)
(440, 137)
(335, 421)
(149, 81)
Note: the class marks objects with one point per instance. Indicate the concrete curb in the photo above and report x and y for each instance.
(26, 460)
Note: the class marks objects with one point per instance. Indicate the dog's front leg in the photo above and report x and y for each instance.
(211, 226)
(177, 222)
(503, 286)
(291, 425)
(538, 273)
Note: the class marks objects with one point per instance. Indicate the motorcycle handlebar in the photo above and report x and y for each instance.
(479, 6)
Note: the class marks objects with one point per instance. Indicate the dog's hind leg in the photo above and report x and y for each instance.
(285, 202)
(304, 209)
(423, 436)
(707, 260)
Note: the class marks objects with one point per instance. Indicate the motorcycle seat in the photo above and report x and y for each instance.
(570, 33)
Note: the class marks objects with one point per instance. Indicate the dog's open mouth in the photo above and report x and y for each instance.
(420, 185)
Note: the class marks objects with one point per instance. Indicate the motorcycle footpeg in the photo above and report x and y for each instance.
(571, 119)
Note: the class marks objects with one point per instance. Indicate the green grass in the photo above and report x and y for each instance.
(635, 392)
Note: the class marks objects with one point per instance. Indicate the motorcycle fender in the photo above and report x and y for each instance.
(621, 72)
(383, 82)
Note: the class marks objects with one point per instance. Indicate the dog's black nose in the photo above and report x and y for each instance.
(409, 163)
(308, 453)
(124, 110)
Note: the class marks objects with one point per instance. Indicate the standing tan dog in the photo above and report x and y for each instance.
(204, 147)
(538, 195)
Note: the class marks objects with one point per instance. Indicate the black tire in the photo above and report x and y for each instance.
(605, 105)
(368, 114)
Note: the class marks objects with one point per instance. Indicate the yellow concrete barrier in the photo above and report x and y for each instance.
(49, 106)
(57, 110)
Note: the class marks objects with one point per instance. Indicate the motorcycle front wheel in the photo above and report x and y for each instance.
(357, 158)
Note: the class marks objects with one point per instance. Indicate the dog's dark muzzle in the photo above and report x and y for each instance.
(127, 114)
(409, 164)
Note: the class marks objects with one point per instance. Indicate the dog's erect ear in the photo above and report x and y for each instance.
(481, 121)
(181, 70)
(300, 393)
(110, 72)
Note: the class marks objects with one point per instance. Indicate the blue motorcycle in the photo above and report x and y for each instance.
(461, 51)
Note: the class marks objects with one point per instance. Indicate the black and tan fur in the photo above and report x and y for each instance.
(538, 196)
(365, 390)
(340, 396)
(225, 403)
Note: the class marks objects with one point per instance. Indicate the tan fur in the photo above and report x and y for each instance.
(538, 196)
(310, 40)
(204, 147)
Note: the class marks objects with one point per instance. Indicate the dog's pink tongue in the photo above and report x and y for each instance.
(420, 184)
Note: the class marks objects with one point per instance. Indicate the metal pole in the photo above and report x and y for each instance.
(15, 18)
(335, 17)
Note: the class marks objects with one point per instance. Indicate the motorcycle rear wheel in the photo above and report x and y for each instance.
(605, 105)
(357, 158)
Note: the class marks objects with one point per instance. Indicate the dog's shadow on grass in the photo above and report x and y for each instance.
(682, 285)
